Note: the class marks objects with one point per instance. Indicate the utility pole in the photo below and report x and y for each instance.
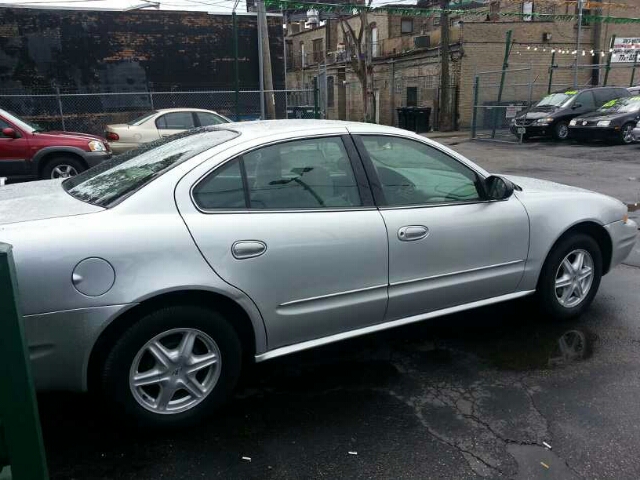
(444, 120)
(266, 84)
(575, 71)
(597, 47)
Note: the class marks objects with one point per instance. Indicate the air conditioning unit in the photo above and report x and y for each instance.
(423, 41)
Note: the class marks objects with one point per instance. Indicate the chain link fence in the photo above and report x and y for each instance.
(499, 95)
(91, 112)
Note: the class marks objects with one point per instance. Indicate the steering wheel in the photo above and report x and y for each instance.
(313, 193)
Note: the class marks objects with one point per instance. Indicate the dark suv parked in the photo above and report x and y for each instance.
(551, 115)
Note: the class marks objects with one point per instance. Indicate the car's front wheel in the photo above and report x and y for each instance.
(570, 277)
(173, 366)
(561, 131)
(626, 134)
(62, 167)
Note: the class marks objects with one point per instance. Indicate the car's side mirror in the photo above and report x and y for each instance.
(576, 105)
(9, 133)
(498, 188)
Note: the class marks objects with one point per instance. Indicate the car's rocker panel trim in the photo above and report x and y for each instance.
(331, 295)
(289, 349)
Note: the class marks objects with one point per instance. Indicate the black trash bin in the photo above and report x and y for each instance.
(422, 116)
(410, 115)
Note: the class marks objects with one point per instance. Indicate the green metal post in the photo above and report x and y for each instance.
(505, 65)
(553, 64)
(18, 407)
(316, 112)
(236, 65)
(476, 94)
(608, 68)
(633, 70)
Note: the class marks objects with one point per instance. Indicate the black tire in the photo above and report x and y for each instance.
(62, 163)
(546, 290)
(561, 131)
(625, 134)
(118, 364)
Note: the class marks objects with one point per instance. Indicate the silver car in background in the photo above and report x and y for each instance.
(154, 277)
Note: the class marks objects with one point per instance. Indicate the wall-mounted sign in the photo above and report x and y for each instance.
(626, 50)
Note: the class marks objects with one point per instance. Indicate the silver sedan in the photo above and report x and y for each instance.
(155, 276)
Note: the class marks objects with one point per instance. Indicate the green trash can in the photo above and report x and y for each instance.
(21, 445)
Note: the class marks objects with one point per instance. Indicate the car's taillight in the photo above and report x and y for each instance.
(112, 136)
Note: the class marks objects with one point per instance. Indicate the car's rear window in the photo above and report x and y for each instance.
(115, 179)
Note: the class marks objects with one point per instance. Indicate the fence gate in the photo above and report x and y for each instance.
(498, 97)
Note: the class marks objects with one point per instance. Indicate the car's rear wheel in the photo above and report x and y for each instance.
(626, 133)
(62, 167)
(561, 131)
(174, 366)
(570, 277)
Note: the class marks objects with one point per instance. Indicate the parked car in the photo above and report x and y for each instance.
(551, 115)
(28, 152)
(167, 269)
(157, 124)
(615, 120)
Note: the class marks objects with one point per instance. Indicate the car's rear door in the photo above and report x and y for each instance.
(292, 224)
(175, 122)
(447, 245)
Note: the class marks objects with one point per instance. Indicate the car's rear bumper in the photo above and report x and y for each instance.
(121, 147)
(623, 238)
(636, 134)
(60, 344)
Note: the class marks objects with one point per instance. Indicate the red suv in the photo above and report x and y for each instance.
(27, 152)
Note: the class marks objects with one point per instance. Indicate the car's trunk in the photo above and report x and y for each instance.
(22, 202)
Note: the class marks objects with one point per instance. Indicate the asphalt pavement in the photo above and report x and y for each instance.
(498, 392)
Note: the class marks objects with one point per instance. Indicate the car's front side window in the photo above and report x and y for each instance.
(299, 174)
(412, 173)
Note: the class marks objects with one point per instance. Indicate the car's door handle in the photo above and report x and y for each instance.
(411, 233)
(248, 249)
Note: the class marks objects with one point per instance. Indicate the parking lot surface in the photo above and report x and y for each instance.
(498, 392)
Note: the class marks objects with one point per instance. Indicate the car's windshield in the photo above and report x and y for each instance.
(141, 119)
(621, 105)
(557, 99)
(20, 123)
(113, 180)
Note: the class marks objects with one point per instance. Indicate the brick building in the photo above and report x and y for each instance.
(405, 56)
(108, 51)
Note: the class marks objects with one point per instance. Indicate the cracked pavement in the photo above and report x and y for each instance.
(477, 395)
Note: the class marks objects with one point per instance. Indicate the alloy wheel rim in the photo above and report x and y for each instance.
(627, 137)
(574, 278)
(175, 371)
(563, 131)
(63, 171)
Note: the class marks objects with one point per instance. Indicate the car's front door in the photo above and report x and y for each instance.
(293, 225)
(447, 245)
(14, 152)
(174, 122)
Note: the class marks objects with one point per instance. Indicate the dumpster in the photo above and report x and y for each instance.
(305, 111)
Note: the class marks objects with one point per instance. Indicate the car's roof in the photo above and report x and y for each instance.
(262, 128)
(165, 110)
